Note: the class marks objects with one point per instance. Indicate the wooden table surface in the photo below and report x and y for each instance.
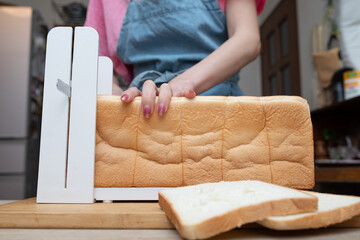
(110, 234)
(165, 234)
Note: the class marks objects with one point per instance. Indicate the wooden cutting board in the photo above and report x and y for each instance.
(28, 214)
(121, 215)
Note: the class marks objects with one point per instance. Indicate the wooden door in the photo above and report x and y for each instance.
(279, 56)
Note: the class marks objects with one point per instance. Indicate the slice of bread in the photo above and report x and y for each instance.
(204, 210)
(332, 209)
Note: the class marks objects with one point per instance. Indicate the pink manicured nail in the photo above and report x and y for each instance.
(161, 109)
(147, 111)
(124, 97)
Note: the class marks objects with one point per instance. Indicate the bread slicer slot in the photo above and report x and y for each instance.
(65, 89)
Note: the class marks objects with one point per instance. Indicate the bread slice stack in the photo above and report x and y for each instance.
(332, 209)
(204, 210)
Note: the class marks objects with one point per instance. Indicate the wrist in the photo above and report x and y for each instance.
(193, 79)
(201, 79)
(182, 83)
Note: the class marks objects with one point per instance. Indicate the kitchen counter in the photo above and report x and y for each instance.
(109, 234)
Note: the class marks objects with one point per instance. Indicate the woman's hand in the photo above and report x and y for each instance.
(175, 88)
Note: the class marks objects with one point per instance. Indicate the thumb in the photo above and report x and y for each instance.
(190, 94)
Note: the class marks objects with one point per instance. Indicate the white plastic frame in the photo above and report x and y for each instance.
(67, 148)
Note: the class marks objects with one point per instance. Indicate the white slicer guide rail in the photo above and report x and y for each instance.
(74, 75)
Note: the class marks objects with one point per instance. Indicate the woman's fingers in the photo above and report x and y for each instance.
(149, 92)
(165, 95)
(129, 95)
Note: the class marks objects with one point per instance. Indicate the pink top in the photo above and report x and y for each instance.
(109, 26)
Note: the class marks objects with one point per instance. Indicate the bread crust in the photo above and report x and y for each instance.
(237, 217)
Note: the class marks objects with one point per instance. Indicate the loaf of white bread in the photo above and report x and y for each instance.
(204, 210)
(332, 209)
(207, 139)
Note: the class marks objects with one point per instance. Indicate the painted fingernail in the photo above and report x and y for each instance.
(161, 109)
(147, 111)
(124, 97)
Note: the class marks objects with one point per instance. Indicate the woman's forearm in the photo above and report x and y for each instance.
(242, 47)
(223, 63)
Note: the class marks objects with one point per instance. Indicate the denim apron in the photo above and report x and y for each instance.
(163, 38)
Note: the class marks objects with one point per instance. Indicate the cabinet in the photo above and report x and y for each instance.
(332, 124)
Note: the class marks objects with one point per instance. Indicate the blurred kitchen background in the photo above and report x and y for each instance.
(310, 48)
